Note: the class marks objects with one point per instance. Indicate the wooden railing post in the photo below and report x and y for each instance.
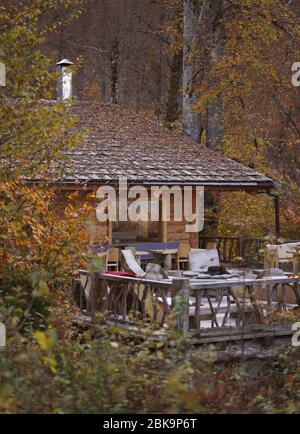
(181, 288)
(98, 296)
(93, 296)
(296, 289)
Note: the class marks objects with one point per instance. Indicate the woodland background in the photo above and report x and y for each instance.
(232, 61)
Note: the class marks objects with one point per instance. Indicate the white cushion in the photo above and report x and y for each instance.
(284, 251)
(203, 260)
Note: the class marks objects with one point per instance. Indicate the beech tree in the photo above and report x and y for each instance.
(192, 18)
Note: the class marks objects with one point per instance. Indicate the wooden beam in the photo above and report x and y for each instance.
(277, 215)
(164, 234)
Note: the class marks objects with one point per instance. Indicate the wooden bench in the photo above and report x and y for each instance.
(281, 255)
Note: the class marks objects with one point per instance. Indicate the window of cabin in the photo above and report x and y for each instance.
(138, 231)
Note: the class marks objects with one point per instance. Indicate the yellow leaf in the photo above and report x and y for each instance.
(43, 288)
(46, 341)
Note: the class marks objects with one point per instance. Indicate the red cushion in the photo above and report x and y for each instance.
(120, 273)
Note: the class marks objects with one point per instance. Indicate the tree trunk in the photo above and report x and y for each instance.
(214, 123)
(158, 108)
(191, 118)
(172, 110)
(115, 70)
(159, 73)
(214, 111)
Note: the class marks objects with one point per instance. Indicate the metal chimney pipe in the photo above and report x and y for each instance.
(64, 82)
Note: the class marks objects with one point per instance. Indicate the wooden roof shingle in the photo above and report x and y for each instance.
(122, 144)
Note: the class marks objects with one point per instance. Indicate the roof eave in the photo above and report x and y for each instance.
(231, 185)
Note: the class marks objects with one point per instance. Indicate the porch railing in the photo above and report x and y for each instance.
(199, 305)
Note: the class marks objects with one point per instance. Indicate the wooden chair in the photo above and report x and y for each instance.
(131, 263)
(203, 260)
(135, 254)
(183, 255)
(132, 249)
(271, 259)
(112, 259)
(279, 256)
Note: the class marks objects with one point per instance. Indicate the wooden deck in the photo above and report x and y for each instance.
(209, 311)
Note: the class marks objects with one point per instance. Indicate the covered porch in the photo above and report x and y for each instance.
(168, 242)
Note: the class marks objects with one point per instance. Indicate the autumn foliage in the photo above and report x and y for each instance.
(39, 248)
(51, 365)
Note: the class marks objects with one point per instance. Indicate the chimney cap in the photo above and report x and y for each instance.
(65, 62)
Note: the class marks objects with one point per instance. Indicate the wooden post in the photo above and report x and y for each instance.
(94, 296)
(277, 213)
(296, 289)
(277, 216)
(296, 263)
(99, 296)
(197, 310)
(164, 231)
(283, 296)
(181, 287)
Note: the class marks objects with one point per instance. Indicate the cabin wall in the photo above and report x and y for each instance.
(176, 231)
(98, 232)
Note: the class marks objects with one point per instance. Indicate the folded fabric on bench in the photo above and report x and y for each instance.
(120, 273)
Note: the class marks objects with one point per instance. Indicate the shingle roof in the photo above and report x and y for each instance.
(122, 144)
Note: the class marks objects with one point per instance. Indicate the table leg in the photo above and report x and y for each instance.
(269, 295)
(168, 262)
(255, 304)
(284, 297)
(197, 311)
